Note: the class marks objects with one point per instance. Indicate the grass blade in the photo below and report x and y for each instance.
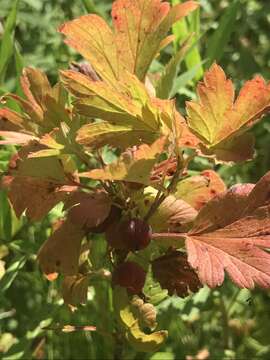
(166, 81)
(221, 36)
(181, 30)
(7, 43)
(5, 218)
(185, 78)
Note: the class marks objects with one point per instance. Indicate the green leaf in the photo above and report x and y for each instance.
(152, 289)
(218, 41)
(90, 6)
(11, 273)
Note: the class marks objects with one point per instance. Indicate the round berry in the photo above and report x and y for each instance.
(137, 233)
(132, 235)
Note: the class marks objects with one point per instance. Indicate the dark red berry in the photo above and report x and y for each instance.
(132, 235)
(137, 233)
(129, 275)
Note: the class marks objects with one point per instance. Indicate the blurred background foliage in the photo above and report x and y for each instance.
(226, 323)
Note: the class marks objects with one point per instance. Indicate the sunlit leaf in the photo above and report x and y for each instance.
(140, 27)
(132, 314)
(133, 166)
(198, 190)
(232, 234)
(217, 116)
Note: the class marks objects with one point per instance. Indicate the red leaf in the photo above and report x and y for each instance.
(88, 210)
(232, 233)
(175, 274)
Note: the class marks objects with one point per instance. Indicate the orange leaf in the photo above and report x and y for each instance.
(198, 190)
(42, 111)
(216, 117)
(35, 196)
(140, 29)
(93, 39)
(61, 252)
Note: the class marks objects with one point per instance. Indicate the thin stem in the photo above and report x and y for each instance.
(233, 300)
(161, 197)
(225, 322)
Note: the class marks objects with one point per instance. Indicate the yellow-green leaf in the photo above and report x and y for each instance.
(133, 166)
(123, 136)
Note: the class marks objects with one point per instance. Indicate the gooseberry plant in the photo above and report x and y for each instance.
(110, 144)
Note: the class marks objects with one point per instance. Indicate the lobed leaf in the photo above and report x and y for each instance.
(140, 28)
(43, 109)
(232, 233)
(217, 117)
(36, 197)
(94, 40)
